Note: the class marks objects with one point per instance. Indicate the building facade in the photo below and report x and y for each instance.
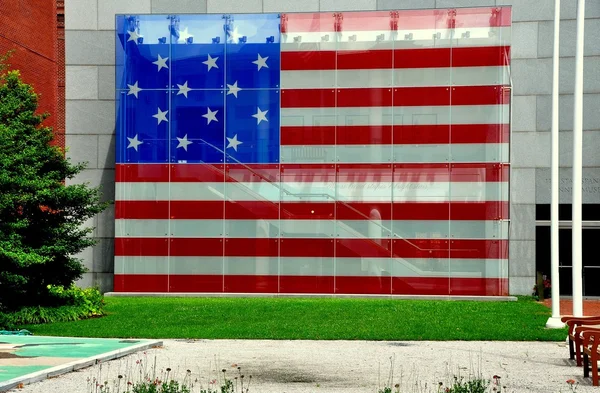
(90, 111)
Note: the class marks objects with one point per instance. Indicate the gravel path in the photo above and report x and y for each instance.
(342, 366)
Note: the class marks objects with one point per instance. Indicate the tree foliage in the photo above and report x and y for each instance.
(41, 218)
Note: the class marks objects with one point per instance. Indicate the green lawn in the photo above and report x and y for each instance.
(313, 319)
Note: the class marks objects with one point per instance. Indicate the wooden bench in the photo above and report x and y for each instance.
(591, 352)
(575, 339)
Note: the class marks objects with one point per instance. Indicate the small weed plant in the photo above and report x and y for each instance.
(142, 377)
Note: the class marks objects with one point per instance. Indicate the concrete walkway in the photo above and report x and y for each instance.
(339, 366)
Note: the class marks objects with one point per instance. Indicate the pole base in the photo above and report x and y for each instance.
(554, 323)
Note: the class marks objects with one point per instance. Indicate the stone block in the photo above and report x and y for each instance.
(106, 82)
(107, 9)
(100, 257)
(463, 3)
(522, 222)
(532, 76)
(591, 114)
(81, 82)
(568, 36)
(404, 4)
(344, 5)
(591, 75)
(590, 186)
(530, 149)
(81, 14)
(591, 147)
(90, 117)
(104, 178)
(106, 151)
(521, 285)
(233, 6)
(522, 258)
(84, 47)
(524, 113)
(104, 281)
(104, 256)
(106, 221)
(568, 9)
(178, 6)
(524, 43)
(530, 10)
(83, 149)
(522, 185)
(290, 6)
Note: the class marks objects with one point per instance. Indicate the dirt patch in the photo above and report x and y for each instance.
(10, 355)
(285, 376)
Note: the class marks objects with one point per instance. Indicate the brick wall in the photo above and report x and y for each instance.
(30, 29)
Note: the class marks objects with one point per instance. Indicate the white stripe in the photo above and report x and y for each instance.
(320, 191)
(428, 153)
(401, 77)
(456, 229)
(313, 266)
(357, 40)
(401, 115)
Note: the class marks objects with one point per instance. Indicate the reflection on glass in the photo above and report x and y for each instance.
(347, 152)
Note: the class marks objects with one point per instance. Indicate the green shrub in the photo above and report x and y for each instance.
(41, 216)
(63, 305)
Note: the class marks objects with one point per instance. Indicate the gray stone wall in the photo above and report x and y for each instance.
(90, 106)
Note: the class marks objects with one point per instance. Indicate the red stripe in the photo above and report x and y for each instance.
(307, 247)
(255, 210)
(450, 286)
(467, 172)
(308, 98)
(312, 284)
(363, 285)
(436, 211)
(313, 247)
(400, 135)
(363, 248)
(141, 283)
(406, 19)
(309, 60)
(196, 283)
(401, 96)
(141, 173)
(479, 56)
(136, 246)
(251, 284)
(459, 248)
(306, 284)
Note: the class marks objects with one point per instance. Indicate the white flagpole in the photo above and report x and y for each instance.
(554, 321)
(577, 163)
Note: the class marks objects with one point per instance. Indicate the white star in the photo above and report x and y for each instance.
(210, 116)
(260, 115)
(183, 89)
(160, 116)
(233, 89)
(211, 62)
(261, 62)
(134, 142)
(161, 63)
(134, 89)
(234, 35)
(184, 35)
(233, 142)
(133, 36)
(183, 142)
